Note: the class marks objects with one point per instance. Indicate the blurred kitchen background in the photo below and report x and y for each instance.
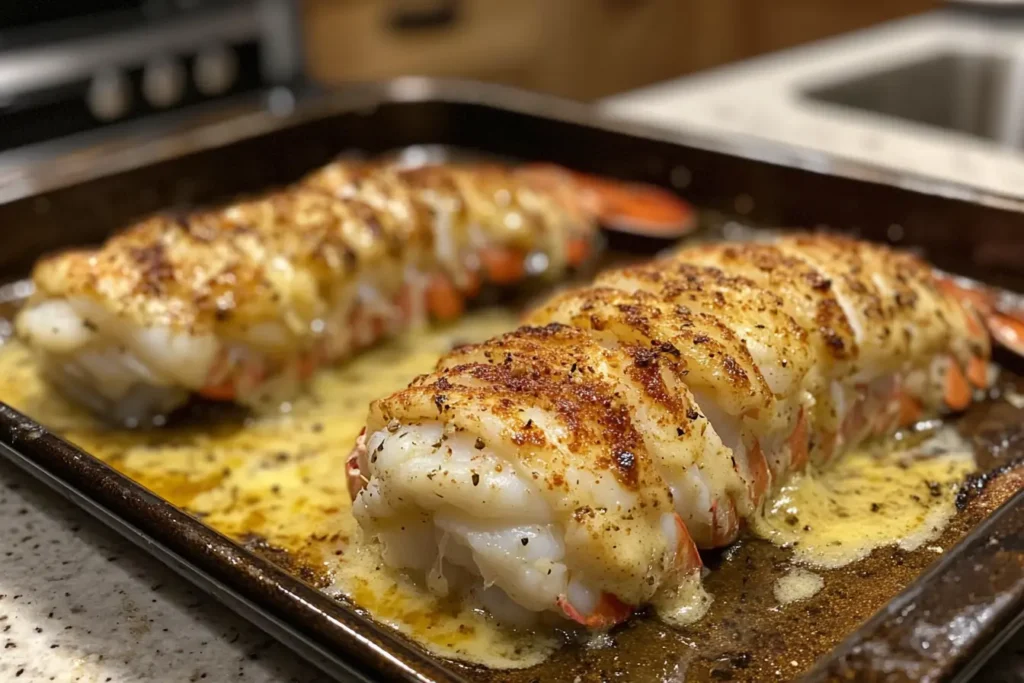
(582, 49)
(913, 86)
(71, 65)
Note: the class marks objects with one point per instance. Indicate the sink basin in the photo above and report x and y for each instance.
(973, 93)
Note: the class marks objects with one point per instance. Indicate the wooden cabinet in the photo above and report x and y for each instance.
(576, 48)
(776, 24)
(599, 47)
(371, 39)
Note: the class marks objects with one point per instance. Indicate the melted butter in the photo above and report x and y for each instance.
(684, 604)
(797, 584)
(868, 499)
(1014, 398)
(281, 478)
(456, 628)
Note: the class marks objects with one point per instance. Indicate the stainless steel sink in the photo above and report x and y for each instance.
(974, 93)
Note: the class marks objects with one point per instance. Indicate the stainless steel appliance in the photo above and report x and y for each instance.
(71, 66)
(972, 83)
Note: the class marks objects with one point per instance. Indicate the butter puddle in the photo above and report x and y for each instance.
(684, 604)
(455, 628)
(1014, 398)
(796, 585)
(869, 499)
(281, 478)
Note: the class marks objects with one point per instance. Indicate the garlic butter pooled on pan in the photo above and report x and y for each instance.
(570, 469)
(243, 303)
(881, 494)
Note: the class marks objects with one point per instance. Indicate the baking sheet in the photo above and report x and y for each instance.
(274, 484)
(745, 637)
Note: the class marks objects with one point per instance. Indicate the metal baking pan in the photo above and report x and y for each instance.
(948, 615)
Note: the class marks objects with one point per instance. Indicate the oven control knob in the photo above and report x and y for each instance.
(109, 95)
(215, 70)
(163, 82)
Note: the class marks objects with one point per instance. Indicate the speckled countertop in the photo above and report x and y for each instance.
(78, 603)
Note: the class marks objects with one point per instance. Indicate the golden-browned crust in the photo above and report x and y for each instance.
(677, 320)
(564, 417)
(161, 273)
(711, 289)
(894, 295)
(596, 393)
(706, 346)
(615, 382)
(557, 369)
(496, 199)
(753, 313)
(286, 256)
(805, 291)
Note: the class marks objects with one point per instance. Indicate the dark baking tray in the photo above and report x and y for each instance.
(81, 198)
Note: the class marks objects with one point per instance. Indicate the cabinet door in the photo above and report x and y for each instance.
(371, 39)
(607, 46)
(575, 48)
(775, 24)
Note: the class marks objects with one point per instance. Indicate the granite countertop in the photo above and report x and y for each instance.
(78, 603)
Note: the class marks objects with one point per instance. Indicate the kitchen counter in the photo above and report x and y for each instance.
(766, 99)
(78, 603)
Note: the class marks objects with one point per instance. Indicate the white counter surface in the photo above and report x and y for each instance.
(764, 98)
(78, 603)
